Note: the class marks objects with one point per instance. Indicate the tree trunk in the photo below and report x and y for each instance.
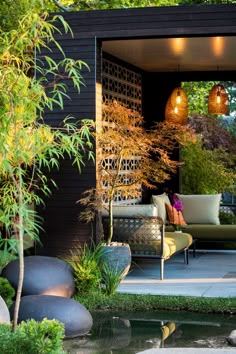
(20, 236)
(110, 211)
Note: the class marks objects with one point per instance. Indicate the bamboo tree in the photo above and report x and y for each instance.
(28, 147)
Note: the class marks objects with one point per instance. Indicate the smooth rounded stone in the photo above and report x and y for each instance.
(75, 317)
(4, 312)
(42, 276)
(232, 338)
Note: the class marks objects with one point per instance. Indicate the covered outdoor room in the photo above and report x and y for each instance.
(137, 57)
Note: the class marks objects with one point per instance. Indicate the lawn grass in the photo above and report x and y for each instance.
(128, 302)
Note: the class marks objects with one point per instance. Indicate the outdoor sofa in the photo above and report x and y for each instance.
(144, 231)
(201, 214)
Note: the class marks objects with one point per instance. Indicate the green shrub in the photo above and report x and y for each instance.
(227, 218)
(7, 292)
(206, 171)
(33, 337)
(91, 271)
(85, 264)
(5, 258)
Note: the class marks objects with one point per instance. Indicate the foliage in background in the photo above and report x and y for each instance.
(7, 292)
(197, 93)
(205, 171)
(209, 165)
(28, 147)
(30, 337)
(227, 218)
(71, 5)
(12, 10)
(213, 134)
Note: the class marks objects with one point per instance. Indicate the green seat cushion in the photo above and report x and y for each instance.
(209, 232)
(212, 232)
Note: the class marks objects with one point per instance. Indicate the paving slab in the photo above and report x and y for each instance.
(209, 274)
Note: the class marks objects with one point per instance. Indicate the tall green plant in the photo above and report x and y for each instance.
(206, 171)
(28, 147)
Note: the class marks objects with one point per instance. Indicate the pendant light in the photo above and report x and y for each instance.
(177, 107)
(218, 100)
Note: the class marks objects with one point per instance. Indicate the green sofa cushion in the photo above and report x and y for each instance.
(210, 232)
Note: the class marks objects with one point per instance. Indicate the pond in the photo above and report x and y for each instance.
(131, 333)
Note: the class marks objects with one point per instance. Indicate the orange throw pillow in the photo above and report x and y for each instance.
(174, 216)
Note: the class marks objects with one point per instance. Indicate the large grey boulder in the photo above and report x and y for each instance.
(4, 312)
(75, 317)
(42, 276)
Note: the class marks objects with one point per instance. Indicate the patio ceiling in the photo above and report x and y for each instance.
(176, 54)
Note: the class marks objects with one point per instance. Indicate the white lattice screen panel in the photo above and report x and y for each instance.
(125, 86)
(121, 84)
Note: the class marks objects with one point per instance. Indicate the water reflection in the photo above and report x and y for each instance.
(133, 332)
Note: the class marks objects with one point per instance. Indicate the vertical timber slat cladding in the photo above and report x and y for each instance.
(63, 231)
(90, 29)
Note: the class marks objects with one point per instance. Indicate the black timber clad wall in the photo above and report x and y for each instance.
(61, 212)
(165, 21)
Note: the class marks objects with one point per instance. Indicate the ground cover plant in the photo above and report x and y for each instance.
(129, 302)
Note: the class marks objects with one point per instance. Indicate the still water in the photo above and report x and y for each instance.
(130, 333)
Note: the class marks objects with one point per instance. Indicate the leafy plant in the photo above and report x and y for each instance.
(5, 258)
(85, 264)
(28, 147)
(33, 337)
(214, 134)
(206, 171)
(92, 271)
(7, 292)
(111, 278)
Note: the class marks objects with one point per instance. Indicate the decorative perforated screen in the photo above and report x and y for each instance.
(121, 84)
(125, 86)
